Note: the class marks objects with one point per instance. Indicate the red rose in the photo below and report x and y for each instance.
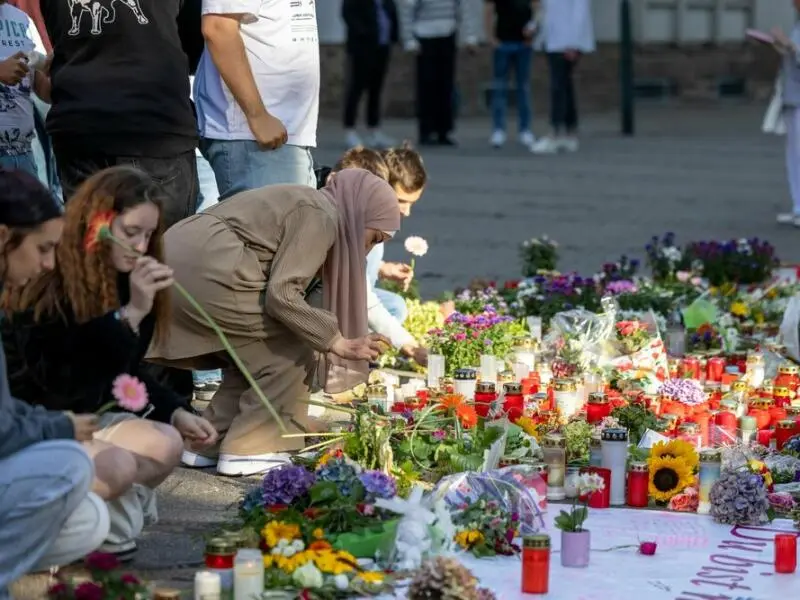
(58, 591)
(89, 591)
(686, 501)
(101, 561)
(129, 579)
(648, 548)
(276, 508)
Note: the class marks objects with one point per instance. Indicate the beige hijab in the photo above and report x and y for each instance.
(363, 201)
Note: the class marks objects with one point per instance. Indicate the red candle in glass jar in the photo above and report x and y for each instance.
(715, 369)
(727, 421)
(638, 482)
(703, 420)
(513, 401)
(689, 368)
(785, 553)
(422, 397)
(536, 564)
(530, 385)
(764, 437)
(598, 407)
(219, 554)
(788, 377)
(759, 410)
(485, 395)
(783, 431)
(776, 415)
(782, 396)
(601, 499)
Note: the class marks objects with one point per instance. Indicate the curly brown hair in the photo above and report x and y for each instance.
(406, 169)
(84, 283)
(364, 158)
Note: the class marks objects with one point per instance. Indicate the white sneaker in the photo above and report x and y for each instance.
(545, 145)
(237, 466)
(527, 139)
(352, 139)
(498, 138)
(569, 144)
(197, 461)
(378, 139)
(789, 219)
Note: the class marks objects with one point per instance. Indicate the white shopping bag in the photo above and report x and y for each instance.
(773, 118)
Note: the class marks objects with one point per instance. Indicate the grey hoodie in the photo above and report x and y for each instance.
(22, 425)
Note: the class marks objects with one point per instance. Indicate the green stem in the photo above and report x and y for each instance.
(106, 407)
(106, 233)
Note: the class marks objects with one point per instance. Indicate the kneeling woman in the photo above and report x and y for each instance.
(251, 261)
(72, 332)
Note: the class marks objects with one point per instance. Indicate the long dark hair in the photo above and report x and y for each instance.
(25, 205)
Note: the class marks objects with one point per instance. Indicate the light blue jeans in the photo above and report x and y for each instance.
(23, 162)
(394, 303)
(209, 196)
(241, 165)
(43, 153)
(519, 56)
(40, 488)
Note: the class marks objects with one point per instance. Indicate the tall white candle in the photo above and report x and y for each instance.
(435, 370)
(207, 586)
(614, 448)
(535, 326)
(488, 368)
(248, 574)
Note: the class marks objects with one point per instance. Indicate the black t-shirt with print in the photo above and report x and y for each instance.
(511, 18)
(120, 78)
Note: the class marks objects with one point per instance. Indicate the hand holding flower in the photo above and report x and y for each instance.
(147, 279)
(85, 426)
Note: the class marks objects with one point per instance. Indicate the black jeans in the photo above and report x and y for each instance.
(177, 176)
(366, 69)
(436, 75)
(563, 111)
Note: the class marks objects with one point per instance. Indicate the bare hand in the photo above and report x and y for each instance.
(147, 279)
(369, 347)
(194, 428)
(397, 272)
(85, 426)
(782, 42)
(14, 69)
(417, 353)
(269, 131)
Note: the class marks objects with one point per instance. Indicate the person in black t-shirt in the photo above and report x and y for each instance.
(121, 94)
(510, 28)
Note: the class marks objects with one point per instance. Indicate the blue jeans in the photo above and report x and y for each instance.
(22, 162)
(519, 55)
(43, 153)
(241, 165)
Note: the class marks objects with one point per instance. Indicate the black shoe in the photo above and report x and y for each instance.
(446, 140)
(427, 140)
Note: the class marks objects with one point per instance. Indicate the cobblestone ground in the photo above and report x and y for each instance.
(702, 173)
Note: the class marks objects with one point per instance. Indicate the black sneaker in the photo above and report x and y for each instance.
(205, 391)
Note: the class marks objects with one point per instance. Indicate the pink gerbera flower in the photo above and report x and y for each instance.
(130, 393)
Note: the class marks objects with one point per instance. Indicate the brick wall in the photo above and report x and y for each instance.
(694, 71)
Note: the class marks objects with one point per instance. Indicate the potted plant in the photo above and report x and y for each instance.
(575, 540)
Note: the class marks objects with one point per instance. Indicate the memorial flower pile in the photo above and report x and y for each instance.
(672, 467)
(485, 528)
(538, 255)
(632, 336)
(743, 261)
(107, 582)
(739, 497)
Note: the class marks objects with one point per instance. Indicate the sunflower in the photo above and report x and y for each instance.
(451, 401)
(739, 309)
(529, 426)
(676, 448)
(275, 531)
(467, 416)
(373, 577)
(469, 538)
(335, 562)
(668, 477)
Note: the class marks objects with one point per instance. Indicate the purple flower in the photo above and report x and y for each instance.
(285, 484)
(378, 485)
(687, 391)
(622, 286)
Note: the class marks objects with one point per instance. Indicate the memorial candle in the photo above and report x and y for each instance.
(536, 564)
(614, 446)
(488, 368)
(513, 401)
(465, 380)
(554, 450)
(755, 369)
(785, 553)
(248, 574)
(783, 431)
(598, 407)
(638, 485)
(710, 468)
(566, 397)
(436, 370)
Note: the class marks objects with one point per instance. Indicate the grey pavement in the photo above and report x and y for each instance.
(704, 173)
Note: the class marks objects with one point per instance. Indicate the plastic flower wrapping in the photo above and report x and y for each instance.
(741, 495)
(516, 490)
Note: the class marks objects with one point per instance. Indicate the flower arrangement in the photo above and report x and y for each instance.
(464, 338)
(422, 317)
(572, 521)
(704, 338)
(475, 301)
(685, 391)
(632, 336)
(687, 501)
(672, 468)
(538, 254)
(547, 295)
(623, 271)
(444, 578)
(106, 583)
(485, 528)
(739, 497)
(663, 257)
(637, 419)
(743, 261)
(578, 435)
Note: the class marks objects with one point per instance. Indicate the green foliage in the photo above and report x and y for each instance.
(637, 419)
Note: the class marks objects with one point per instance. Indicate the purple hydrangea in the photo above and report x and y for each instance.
(285, 484)
(687, 391)
(739, 498)
(378, 485)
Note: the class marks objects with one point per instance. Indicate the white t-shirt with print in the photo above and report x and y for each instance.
(282, 44)
(17, 34)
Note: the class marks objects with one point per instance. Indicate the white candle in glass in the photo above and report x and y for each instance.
(207, 586)
(248, 574)
(488, 368)
(535, 325)
(435, 370)
(521, 371)
(614, 448)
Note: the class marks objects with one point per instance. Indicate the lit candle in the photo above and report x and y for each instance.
(488, 368)
(535, 326)
(614, 446)
(785, 553)
(207, 586)
(554, 450)
(710, 467)
(248, 574)
(465, 380)
(435, 370)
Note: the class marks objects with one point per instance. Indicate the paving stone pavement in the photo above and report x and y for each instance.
(704, 173)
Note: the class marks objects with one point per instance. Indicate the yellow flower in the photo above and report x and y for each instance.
(275, 531)
(318, 533)
(676, 449)
(669, 476)
(756, 466)
(739, 309)
(469, 538)
(334, 562)
(528, 426)
(374, 577)
(772, 293)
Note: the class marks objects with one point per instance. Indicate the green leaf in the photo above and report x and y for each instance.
(325, 491)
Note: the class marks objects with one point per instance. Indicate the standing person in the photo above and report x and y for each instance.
(48, 516)
(431, 29)
(372, 29)
(19, 41)
(121, 95)
(568, 33)
(789, 48)
(257, 92)
(510, 28)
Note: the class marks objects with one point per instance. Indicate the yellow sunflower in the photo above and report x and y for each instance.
(669, 476)
(739, 309)
(335, 562)
(275, 531)
(676, 448)
(469, 538)
(529, 426)
(373, 577)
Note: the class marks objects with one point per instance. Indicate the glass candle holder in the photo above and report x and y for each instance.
(485, 396)
(747, 430)
(783, 431)
(638, 495)
(535, 327)
(600, 499)
(464, 381)
(219, 557)
(488, 367)
(536, 564)
(595, 452)
(726, 422)
(788, 377)
(710, 467)
(513, 401)
(207, 586)
(571, 482)
(598, 407)
(525, 352)
(715, 369)
(436, 370)
(782, 396)
(689, 368)
(378, 398)
(555, 456)
(785, 553)
(545, 374)
(755, 370)
(614, 447)
(565, 393)
(248, 574)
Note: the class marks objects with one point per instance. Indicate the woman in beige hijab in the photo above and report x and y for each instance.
(252, 261)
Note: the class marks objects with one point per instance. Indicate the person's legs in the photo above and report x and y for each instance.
(377, 77)
(445, 121)
(242, 165)
(394, 303)
(426, 80)
(46, 162)
(357, 69)
(501, 58)
(556, 62)
(792, 119)
(522, 72)
(41, 486)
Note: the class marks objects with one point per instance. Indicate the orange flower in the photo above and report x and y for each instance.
(99, 226)
(320, 545)
(451, 401)
(467, 416)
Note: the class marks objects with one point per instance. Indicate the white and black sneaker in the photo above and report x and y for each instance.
(125, 553)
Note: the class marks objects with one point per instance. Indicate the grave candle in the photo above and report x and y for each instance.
(554, 450)
(536, 564)
(638, 485)
(465, 380)
(614, 446)
(378, 397)
(248, 574)
(525, 353)
(595, 452)
(485, 395)
(598, 407)
(566, 397)
(488, 367)
(435, 370)
(783, 431)
(715, 369)
(219, 557)
(755, 369)
(513, 401)
(602, 498)
(207, 586)
(747, 429)
(710, 467)
(785, 553)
